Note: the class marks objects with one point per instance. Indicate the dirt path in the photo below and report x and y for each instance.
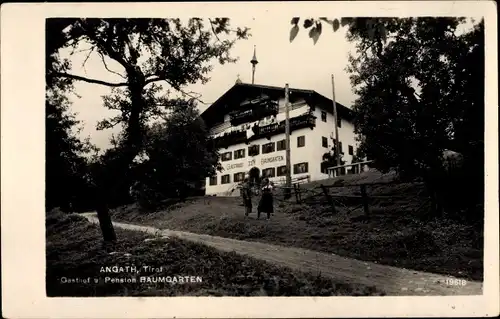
(392, 280)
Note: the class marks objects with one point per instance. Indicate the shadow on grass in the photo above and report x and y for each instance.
(75, 251)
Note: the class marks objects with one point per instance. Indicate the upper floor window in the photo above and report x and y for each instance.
(324, 141)
(281, 145)
(301, 141)
(225, 179)
(323, 116)
(300, 168)
(268, 172)
(339, 122)
(268, 148)
(351, 150)
(253, 150)
(239, 153)
(281, 171)
(226, 156)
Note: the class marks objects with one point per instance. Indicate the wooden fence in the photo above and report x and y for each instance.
(326, 193)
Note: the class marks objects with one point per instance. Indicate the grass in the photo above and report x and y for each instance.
(75, 250)
(395, 234)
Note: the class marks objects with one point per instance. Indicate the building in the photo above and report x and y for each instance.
(248, 125)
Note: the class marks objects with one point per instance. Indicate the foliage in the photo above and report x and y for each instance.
(178, 154)
(410, 114)
(148, 51)
(420, 87)
(372, 28)
(358, 156)
(66, 174)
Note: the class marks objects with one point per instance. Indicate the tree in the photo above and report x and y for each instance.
(65, 164)
(420, 93)
(148, 51)
(178, 155)
(67, 180)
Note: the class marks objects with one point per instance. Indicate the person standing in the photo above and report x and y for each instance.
(246, 193)
(266, 204)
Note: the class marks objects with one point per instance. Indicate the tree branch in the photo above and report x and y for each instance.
(213, 30)
(106, 66)
(156, 78)
(86, 59)
(106, 45)
(81, 78)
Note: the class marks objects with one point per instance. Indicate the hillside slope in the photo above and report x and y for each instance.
(395, 234)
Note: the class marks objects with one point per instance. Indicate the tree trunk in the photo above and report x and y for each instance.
(100, 197)
(132, 147)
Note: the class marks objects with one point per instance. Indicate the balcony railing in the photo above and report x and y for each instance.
(230, 138)
(255, 113)
(298, 122)
(220, 128)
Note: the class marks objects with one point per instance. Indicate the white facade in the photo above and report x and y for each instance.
(311, 152)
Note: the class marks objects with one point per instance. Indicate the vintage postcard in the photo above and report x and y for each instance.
(250, 159)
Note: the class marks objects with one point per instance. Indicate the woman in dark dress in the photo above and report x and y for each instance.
(266, 200)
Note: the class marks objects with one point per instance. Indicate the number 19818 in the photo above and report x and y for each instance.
(455, 282)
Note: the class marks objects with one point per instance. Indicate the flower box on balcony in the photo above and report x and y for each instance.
(298, 122)
(257, 112)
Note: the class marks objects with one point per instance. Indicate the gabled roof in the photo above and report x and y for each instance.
(240, 91)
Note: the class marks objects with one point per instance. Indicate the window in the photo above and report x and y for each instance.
(239, 153)
(281, 171)
(225, 179)
(351, 150)
(339, 122)
(300, 168)
(324, 141)
(226, 156)
(268, 172)
(281, 145)
(238, 177)
(253, 150)
(323, 116)
(213, 180)
(301, 141)
(268, 148)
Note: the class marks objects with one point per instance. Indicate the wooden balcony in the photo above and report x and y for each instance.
(298, 122)
(266, 131)
(230, 138)
(254, 114)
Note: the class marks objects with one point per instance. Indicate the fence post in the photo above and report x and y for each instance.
(295, 186)
(329, 198)
(365, 200)
(300, 193)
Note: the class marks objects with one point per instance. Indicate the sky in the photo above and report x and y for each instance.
(301, 64)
